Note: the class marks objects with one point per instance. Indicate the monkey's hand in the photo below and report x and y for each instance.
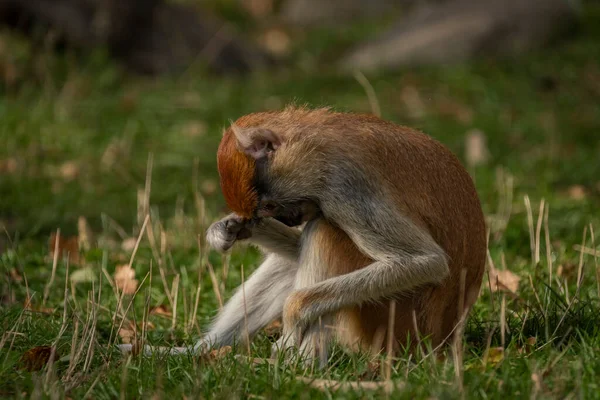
(222, 235)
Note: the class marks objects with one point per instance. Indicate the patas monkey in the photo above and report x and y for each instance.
(389, 212)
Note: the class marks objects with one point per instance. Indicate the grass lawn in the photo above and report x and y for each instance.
(84, 145)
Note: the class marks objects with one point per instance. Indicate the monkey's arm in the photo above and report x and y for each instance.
(268, 233)
(405, 257)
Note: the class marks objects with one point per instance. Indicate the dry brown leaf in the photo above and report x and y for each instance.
(276, 41)
(258, 8)
(15, 276)
(36, 359)
(29, 306)
(567, 270)
(215, 354)
(125, 279)
(149, 325)
(209, 186)
(68, 245)
(528, 347)
(577, 192)
(161, 310)
(504, 280)
(9, 166)
(476, 149)
(69, 170)
(127, 335)
(273, 329)
(128, 244)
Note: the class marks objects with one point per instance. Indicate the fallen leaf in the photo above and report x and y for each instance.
(69, 245)
(69, 170)
(149, 325)
(220, 352)
(83, 275)
(35, 359)
(125, 279)
(128, 244)
(127, 335)
(216, 354)
(209, 186)
(577, 192)
(161, 310)
(567, 270)
(476, 149)
(494, 356)
(8, 166)
(504, 280)
(276, 41)
(258, 8)
(273, 330)
(15, 275)
(29, 306)
(529, 346)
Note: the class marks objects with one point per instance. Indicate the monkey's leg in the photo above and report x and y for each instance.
(315, 253)
(405, 258)
(258, 302)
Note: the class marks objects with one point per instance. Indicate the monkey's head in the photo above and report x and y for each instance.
(243, 159)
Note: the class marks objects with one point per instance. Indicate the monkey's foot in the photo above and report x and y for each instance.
(284, 345)
(314, 346)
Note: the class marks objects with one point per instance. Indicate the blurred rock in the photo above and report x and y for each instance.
(459, 30)
(148, 36)
(310, 12)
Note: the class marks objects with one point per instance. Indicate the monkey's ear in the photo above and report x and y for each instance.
(256, 142)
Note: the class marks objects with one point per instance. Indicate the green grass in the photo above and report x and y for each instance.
(77, 135)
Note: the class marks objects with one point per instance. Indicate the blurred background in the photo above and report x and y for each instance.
(105, 104)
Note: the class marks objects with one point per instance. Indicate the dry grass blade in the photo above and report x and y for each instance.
(54, 264)
(538, 230)
(548, 245)
(390, 342)
(175, 295)
(581, 258)
(371, 95)
(139, 239)
(593, 237)
(215, 285)
(530, 226)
